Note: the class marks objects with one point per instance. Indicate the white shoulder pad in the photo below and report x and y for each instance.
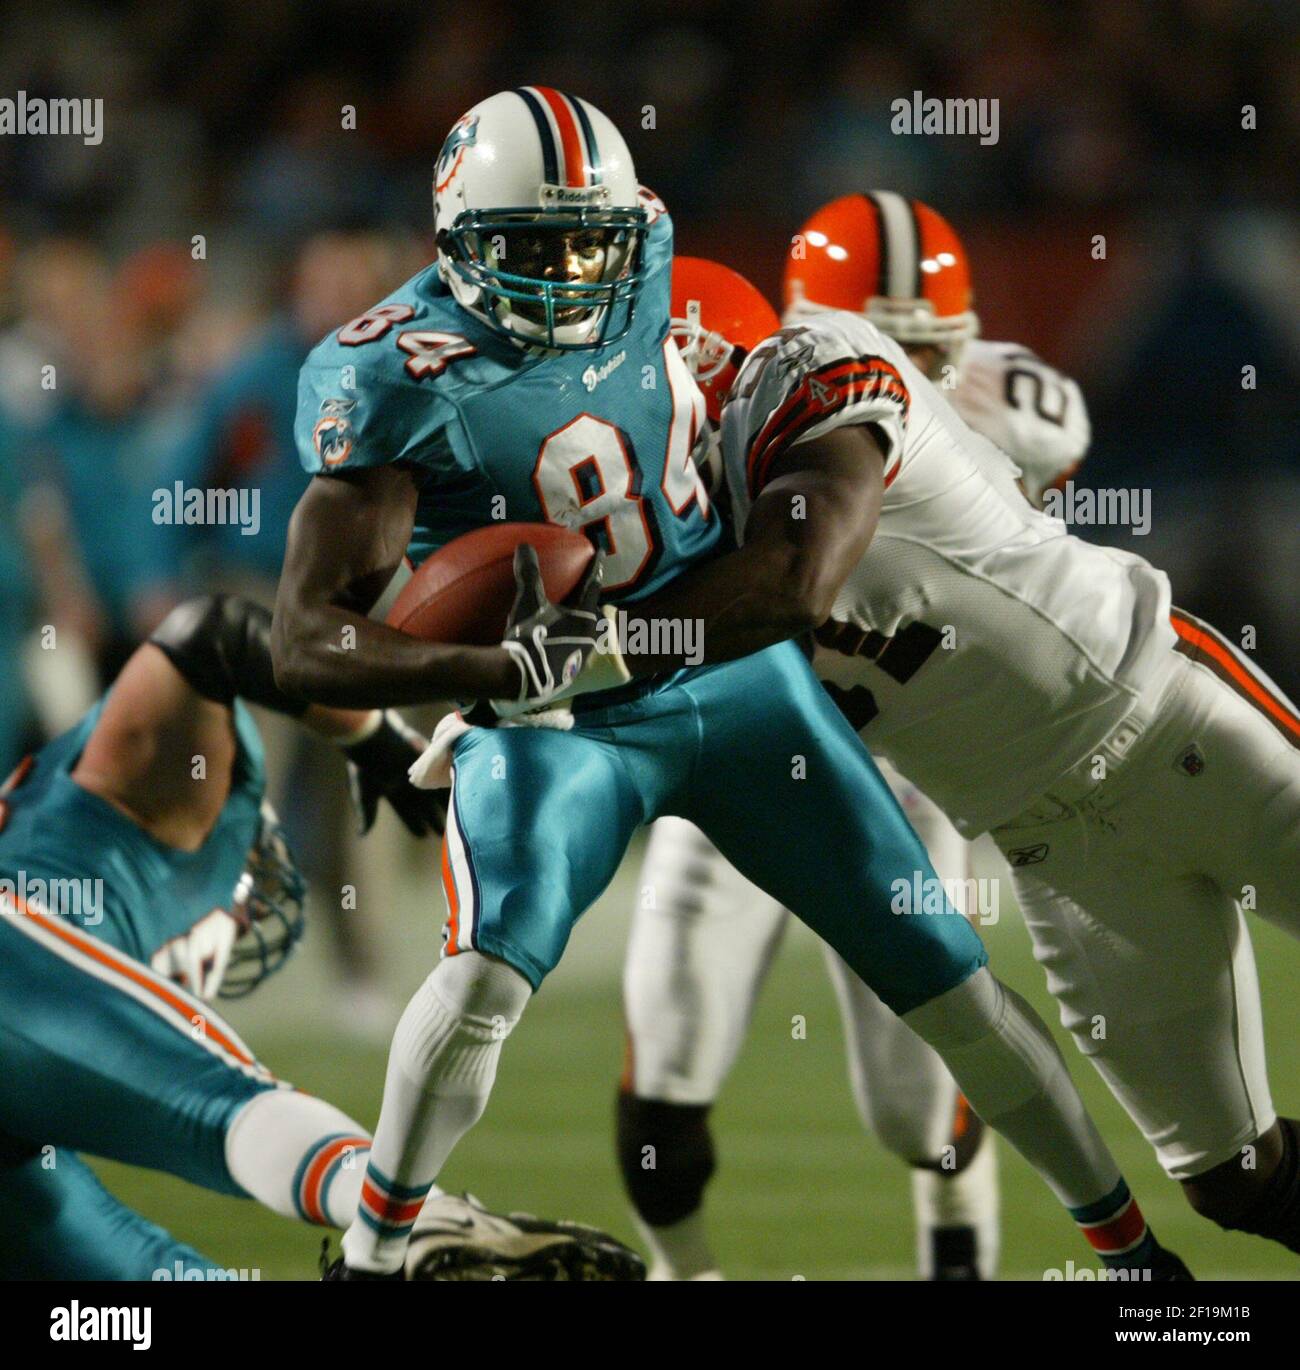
(1028, 408)
(824, 372)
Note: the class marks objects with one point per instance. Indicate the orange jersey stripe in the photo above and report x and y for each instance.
(847, 381)
(802, 395)
(18, 774)
(88, 947)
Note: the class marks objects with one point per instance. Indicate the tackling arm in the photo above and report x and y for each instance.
(806, 531)
(346, 539)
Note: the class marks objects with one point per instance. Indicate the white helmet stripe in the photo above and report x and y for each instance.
(900, 246)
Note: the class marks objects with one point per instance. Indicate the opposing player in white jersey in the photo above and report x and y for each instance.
(1140, 775)
(861, 252)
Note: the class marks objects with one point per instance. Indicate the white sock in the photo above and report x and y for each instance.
(680, 1250)
(299, 1155)
(967, 1199)
(1005, 1062)
(440, 1071)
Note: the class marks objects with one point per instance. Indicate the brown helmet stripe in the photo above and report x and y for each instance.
(882, 240)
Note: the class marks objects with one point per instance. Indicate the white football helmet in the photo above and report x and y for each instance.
(539, 224)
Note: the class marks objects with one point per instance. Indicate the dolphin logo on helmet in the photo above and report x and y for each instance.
(462, 135)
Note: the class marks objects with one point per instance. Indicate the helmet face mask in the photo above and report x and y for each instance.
(913, 324)
(564, 279)
(269, 908)
(717, 319)
(705, 353)
(539, 219)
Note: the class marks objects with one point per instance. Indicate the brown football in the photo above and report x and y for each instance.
(463, 592)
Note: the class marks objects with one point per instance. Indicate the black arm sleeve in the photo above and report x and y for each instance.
(221, 644)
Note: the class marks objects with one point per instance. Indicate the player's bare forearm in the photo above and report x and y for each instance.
(345, 542)
(339, 657)
(805, 532)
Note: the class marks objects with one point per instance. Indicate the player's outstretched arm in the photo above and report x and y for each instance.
(806, 531)
(172, 701)
(221, 645)
(346, 539)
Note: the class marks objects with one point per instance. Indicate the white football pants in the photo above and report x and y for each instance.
(1133, 888)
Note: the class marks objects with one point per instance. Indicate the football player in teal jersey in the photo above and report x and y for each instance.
(141, 872)
(529, 374)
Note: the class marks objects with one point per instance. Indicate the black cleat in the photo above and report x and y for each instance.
(337, 1269)
(1167, 1268)
(953, 1254)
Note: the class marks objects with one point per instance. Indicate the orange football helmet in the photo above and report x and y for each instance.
(892, 259)
(718, 319)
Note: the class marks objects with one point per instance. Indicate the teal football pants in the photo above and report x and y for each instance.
(57, 1222)
(755, 753)
(100, 1054)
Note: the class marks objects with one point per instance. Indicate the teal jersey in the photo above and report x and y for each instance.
(126, 887)
(602, 440)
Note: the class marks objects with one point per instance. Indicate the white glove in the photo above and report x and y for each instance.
(432, 769)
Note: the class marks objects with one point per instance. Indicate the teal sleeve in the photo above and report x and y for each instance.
(251, 775)
(659, 257)
(370, 422)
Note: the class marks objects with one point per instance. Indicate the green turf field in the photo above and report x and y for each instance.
(800, 1190)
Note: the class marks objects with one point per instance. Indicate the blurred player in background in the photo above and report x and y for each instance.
(152, 810)
(16, 603)
(238, 435)
(80, 372)
(702, 936)
(117, 388)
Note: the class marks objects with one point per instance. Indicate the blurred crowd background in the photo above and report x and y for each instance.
(227, 120)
